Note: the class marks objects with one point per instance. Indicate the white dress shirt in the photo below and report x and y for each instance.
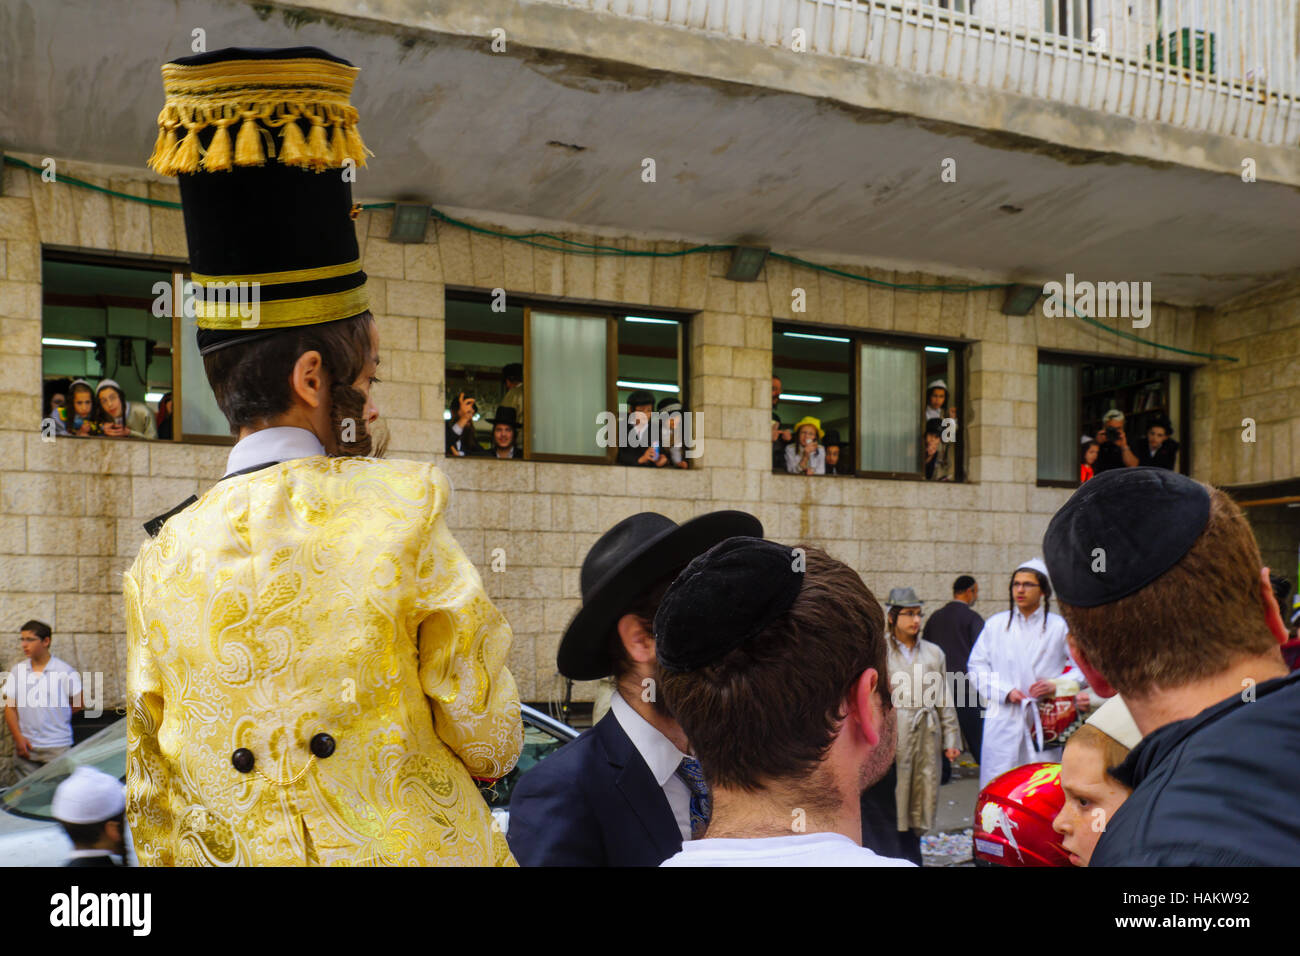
(281, 443)
(661, 756)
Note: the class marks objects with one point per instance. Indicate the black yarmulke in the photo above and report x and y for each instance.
(1143, 519)
(725, 597)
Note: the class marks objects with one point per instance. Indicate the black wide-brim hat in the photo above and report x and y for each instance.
(623, 564)
(259, 141)
(506, 415)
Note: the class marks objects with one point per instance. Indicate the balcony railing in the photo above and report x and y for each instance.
(1226, 67)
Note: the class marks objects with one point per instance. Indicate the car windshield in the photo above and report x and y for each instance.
(106, 751)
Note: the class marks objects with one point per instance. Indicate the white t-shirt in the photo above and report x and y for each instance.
(800, 849)
(43, 700)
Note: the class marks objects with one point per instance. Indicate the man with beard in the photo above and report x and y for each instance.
(627, 792)
(774, 662)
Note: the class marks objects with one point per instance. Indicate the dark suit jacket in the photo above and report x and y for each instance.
(955, 628)
(593, 802)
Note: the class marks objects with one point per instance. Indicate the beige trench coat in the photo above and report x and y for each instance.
(927, 725)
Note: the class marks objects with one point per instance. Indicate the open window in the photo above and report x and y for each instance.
(1078, 399)
(101, 320)
(812, 372)
(565, 372)
(876, 397)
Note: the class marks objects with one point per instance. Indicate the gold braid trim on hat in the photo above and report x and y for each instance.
(283, 313)
(262, 95)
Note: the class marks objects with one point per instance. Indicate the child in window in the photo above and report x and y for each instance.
(804, 456)
(81, 405)
(119, 418)
(1089, 459)
(671, 439)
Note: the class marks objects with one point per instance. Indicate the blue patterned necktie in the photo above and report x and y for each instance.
(701, 801)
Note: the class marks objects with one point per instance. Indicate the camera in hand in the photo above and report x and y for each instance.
(1112, 433)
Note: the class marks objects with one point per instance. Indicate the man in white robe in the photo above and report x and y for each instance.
(1014, 662)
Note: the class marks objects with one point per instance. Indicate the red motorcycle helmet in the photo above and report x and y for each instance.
(1013, 818)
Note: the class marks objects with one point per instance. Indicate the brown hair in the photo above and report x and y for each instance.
(643, 607)
(251, 380)
(770, 709)
(1113, 753)
(1190, 622)
(39, 628)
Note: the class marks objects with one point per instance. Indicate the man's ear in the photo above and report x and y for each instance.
(1095, 680)
(1272, 613)
(637, 639)
(308, 379)
(864, 707)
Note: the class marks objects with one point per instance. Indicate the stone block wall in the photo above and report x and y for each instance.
(71, 510)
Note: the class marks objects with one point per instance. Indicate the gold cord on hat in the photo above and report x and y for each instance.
(263, 95)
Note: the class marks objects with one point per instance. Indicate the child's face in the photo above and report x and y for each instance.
(81, 403)
(640, 415)
(807, 435)
(110, 403)
(1091, 798)
(1090, 456)
(931, 444)
(833, 455)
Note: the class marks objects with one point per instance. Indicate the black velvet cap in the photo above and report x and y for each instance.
(1143, 519)
(260, 141)
(724, 598)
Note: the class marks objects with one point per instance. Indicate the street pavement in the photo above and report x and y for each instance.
(950, 844)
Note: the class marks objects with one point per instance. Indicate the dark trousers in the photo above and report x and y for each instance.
(880, 822)
(972, 728)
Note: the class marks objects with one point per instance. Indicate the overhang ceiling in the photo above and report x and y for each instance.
(535, 134)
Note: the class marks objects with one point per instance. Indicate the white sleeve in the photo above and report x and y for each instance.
(74, 683)
(988, 682)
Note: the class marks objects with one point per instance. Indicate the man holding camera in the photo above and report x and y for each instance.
(461, 439)
(1114, 451)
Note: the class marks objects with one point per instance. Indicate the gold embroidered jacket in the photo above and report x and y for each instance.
(317, 621)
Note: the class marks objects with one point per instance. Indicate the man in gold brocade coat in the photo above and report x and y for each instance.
(315, 673)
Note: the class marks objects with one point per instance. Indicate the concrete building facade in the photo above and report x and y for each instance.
(71, 510)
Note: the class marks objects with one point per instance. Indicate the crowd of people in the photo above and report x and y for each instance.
(655, 434)
(768, 709)
(1109, 448)
(81, 411)
(805, 448)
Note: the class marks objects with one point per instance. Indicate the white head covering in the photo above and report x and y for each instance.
(88, 796)
(1113, 719)
(937, 383)
(1034, 564)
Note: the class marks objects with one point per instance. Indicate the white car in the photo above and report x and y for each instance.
(29, 836)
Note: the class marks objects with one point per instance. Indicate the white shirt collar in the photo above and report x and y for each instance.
(660, 754)
(281, 443)
(1032, 618)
